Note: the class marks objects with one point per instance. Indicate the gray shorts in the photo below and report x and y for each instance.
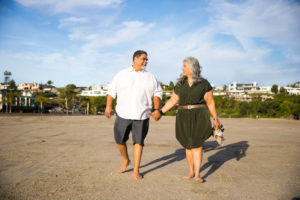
(123, 127)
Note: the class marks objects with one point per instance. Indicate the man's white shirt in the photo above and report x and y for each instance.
(135, 91)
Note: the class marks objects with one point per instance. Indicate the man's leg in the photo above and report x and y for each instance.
(139, 133)
(137, 154)
(121, 132)
(124, 153)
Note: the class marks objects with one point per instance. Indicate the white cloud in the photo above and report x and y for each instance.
(59, 6)
(275, 22)
(72, 21)
(128, 31)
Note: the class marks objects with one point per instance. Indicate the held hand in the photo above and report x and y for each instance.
(156, 115)
(108, 112)
(217, 123)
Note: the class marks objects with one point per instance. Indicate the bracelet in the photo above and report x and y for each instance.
(160, 111)
(217, 118)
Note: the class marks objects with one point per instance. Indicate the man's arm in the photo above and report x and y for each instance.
(108, 109)
(156, 114)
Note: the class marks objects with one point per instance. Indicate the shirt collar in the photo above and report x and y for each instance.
(133, 70)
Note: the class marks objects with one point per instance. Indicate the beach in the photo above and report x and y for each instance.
(75, 157)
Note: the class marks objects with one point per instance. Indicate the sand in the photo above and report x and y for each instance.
(75, 157)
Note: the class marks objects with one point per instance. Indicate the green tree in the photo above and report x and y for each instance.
(274, 89)
(85, 103)
(68, 94)
(49, 83)
(171, 86)
(12, 85)
(244, 108)
(11, 94)
(41, 100)
(286, 108)
(100, 103)
(296, 110)
(282, 90)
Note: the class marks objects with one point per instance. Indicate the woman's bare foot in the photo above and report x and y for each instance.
(137, 176)
(124, 165)
(199, 180)
(189, 176)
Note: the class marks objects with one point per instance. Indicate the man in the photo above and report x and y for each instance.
(135, 89)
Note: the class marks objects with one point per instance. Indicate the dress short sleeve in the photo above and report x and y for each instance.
(207, 86)
(176, 90)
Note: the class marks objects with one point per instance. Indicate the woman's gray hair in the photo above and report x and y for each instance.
(195, 71)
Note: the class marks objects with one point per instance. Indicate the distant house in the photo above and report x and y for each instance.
(167, 93)
(3, 86)
(219, 93)
(292, 91)
(265, 90)
(241, 88)
(297, 85)
(32, 87)
(164, 86)
(96, 90)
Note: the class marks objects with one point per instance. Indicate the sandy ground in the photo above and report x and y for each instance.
(74, 157)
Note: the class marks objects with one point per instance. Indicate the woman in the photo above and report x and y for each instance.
(193, 126)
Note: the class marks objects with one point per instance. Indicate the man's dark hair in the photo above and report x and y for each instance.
(138, 53)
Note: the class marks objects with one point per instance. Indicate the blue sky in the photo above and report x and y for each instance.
(88, 42)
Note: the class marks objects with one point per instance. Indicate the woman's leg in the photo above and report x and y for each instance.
(197, 159)
(189, 158)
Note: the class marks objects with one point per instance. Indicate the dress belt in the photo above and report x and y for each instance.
(192, 106)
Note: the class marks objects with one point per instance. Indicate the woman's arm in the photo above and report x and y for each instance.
(170, 103)
(210, 102)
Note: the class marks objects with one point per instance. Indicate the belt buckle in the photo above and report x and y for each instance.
(189, 107)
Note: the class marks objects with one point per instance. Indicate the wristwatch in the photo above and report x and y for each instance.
(160, 111)
(217, 118)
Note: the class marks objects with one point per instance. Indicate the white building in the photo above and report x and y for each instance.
(219, 93)
(297, 85)
(241, 88)
(97, 90)
(26, 94)
(265, 90)
(167, 93)
(291, 90)
(29, 86)
(3, 86)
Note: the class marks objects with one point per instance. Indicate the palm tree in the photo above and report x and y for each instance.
(41, 100)
(49, 83)
(11, 94)
(67, 94)
(85, 102)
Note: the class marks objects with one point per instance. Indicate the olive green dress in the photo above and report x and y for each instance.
(193, 126)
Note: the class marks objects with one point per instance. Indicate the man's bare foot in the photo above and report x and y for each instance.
(199, 180)
(137, 176)
(124, 165)
(189, 176)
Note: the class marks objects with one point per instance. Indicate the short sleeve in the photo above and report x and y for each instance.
(112, 87)
(207, 86)
(176, 90)
(158, 91)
